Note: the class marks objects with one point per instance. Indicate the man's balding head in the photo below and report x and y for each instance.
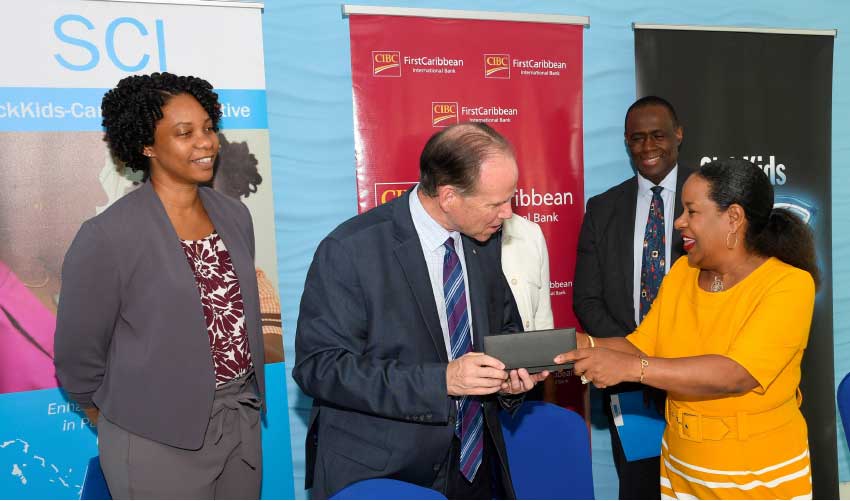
(454, 156)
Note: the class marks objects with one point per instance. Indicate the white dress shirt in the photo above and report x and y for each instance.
(644, 200)
(432, 236)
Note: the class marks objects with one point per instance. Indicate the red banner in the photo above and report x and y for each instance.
(413, 75)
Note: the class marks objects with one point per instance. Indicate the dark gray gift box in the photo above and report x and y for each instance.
(532, 350)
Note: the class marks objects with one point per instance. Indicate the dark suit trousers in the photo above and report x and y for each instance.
(638, 479)
(487, 482)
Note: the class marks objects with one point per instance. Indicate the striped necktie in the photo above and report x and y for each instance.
(653, 260)
(470, 419)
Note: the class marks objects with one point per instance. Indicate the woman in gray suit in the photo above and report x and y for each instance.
(158, 327)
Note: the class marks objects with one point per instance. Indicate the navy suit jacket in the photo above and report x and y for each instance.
(130, 331)
(370, 351)
(604, 282)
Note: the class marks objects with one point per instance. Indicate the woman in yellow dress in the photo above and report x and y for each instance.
(724, 338)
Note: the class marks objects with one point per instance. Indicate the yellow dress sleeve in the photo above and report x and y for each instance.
(646, 334)
(777, 329)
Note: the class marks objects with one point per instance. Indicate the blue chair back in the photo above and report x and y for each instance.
(844, 405)
(94, 483)
(386, 488)
(548, 452)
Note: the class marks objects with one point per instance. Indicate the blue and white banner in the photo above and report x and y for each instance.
(78, 109)
(60, 57)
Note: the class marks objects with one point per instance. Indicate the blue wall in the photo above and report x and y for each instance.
(310, 120)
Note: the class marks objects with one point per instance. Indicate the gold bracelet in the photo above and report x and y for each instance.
(590, 338)
(644, 363)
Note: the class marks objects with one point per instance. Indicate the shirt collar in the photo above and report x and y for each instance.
(668, 183)
(431, 233)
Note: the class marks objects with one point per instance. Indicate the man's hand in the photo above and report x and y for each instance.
(520, 381)
(474, 374)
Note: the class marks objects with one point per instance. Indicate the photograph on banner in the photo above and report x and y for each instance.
(413, 76)
(734, 91)
(47, 193)
(243, 171)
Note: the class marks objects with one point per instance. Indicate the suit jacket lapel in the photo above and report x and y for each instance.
(676, 249)
(165, 236)
(409, 255)
(624, 218)
(166, 233)
(477, 296)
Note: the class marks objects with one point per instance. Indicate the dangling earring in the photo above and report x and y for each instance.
(733, 244)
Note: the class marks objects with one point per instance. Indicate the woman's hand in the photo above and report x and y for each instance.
(601, 366)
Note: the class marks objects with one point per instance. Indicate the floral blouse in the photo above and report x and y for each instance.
(223, 308)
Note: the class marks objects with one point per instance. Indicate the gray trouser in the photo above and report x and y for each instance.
(227, 466)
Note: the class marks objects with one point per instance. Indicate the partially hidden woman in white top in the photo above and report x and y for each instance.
(525, 263)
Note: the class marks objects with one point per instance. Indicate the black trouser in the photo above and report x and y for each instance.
(487, 483)
(638, 479)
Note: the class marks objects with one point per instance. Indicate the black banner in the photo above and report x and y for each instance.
(765, 97)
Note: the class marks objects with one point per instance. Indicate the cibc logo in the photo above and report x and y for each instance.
(386, 63)
(497, 66)
(443, 114)
(384, 192)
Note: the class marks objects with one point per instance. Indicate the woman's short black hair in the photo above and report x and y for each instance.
(132, 109)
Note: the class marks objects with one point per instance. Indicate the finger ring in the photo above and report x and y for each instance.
(584, 379)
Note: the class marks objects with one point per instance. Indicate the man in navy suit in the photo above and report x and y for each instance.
(607, 287)
(395, 394)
